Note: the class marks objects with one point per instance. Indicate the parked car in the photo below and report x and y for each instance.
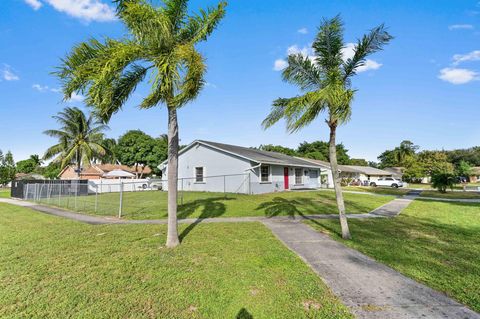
(388, 181)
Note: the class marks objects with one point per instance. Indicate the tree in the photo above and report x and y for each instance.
(79, 139)
(29, 165)
(325, 80)
(320, 150)
(358, 162)
(464, 169)
(110, 156)
(443, 180)
(161, 42)
(7, 168)
(138, 148)
(434, 161)
(399, 156)
(278, 149)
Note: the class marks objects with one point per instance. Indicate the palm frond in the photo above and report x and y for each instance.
(303, 72)
(328, 44)
(367, 45)
(200, 26)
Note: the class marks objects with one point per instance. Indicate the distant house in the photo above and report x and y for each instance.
(475, 175)
(362, 173)
(29, 176)
(106, 171)
(216, 167)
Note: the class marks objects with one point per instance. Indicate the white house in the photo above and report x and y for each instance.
(217, 167)
(363, 173)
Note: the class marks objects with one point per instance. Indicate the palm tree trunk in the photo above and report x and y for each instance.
(172, 175)
(336, 182)
(78, 164)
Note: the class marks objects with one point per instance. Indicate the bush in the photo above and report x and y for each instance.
(442, 180)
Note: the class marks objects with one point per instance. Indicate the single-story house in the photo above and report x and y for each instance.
(216, 167)
(29, 176)
(362, 173)
(474, 175)
(106, 171)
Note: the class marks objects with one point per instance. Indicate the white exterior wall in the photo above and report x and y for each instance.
(219, 167)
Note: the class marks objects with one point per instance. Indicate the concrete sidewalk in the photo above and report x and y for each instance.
(370, 289)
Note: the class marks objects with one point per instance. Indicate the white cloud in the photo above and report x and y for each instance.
(302, 30)
(35, 4)
(279, 64)
(348, 52)
(40, 88)
(8, 74)
(212, 85)
(457, 76)
(87, 10)
(471, 56)
(460, 27)
(45, 88)
(76, 97)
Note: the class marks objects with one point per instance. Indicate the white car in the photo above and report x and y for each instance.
(387, 181)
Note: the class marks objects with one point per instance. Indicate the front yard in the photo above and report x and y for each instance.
(56, 268)
(436, 243)
(4, 192)
(153, 204)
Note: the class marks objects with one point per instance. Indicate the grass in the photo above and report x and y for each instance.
(436, 243)
(4, 192)
(378, 190)
(450, 194)
(153, 204)
(56, 268)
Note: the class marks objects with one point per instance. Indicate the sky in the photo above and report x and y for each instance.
(424, 86)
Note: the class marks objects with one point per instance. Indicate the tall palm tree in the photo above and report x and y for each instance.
(161, 43)
(79, 139)
(325, 80)
(36, 160)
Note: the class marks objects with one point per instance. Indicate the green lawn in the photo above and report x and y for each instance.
(153, 204)
(378, 190)
(56, 268)
(450, 194)
(436, 243)
(4, 192)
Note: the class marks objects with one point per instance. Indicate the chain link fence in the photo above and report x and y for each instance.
(136, 199)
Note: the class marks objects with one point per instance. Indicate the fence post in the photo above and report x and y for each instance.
(96, 197)
(224, 187)
(26, 193)
(59, 193)
(76, 191)
(181, 197)
(249, 185)
(121, 201)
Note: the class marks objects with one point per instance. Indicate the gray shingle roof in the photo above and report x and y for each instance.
(367, 170)
(259, 156)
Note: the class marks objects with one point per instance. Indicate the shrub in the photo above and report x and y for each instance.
(443, 180)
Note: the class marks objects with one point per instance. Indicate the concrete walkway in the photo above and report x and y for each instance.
(370, 289)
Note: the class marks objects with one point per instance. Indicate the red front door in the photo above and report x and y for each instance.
(285, 177)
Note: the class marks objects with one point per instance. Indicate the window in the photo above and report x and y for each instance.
(298, 176)
(199, 174)
(389, 179)
(264, 174)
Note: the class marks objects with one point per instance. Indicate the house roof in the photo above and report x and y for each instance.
(101, 169)
(255, 155)
(367, 170)
(397, 171)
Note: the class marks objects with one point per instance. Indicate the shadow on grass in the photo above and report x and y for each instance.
(282, 206)
(211, 208)
(243, 314)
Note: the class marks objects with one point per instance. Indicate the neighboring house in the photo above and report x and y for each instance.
(217, 167)
(362, 173)
(106, 171)
(475, 175)
(326, 177)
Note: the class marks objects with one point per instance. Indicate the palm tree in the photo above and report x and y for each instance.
(325, 80)
(79, 139)
(36, 160)
(161, 43)
(110, 145)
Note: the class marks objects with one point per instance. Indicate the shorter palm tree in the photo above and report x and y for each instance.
(79, 139)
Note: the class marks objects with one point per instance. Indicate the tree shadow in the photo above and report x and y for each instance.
(211, 208)
(282, 206)
(243, 314)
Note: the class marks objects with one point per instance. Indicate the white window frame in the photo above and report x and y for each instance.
(301, 175)
(269, 174)
(203, 174)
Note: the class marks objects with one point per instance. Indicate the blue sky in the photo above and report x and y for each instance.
(424, 86)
